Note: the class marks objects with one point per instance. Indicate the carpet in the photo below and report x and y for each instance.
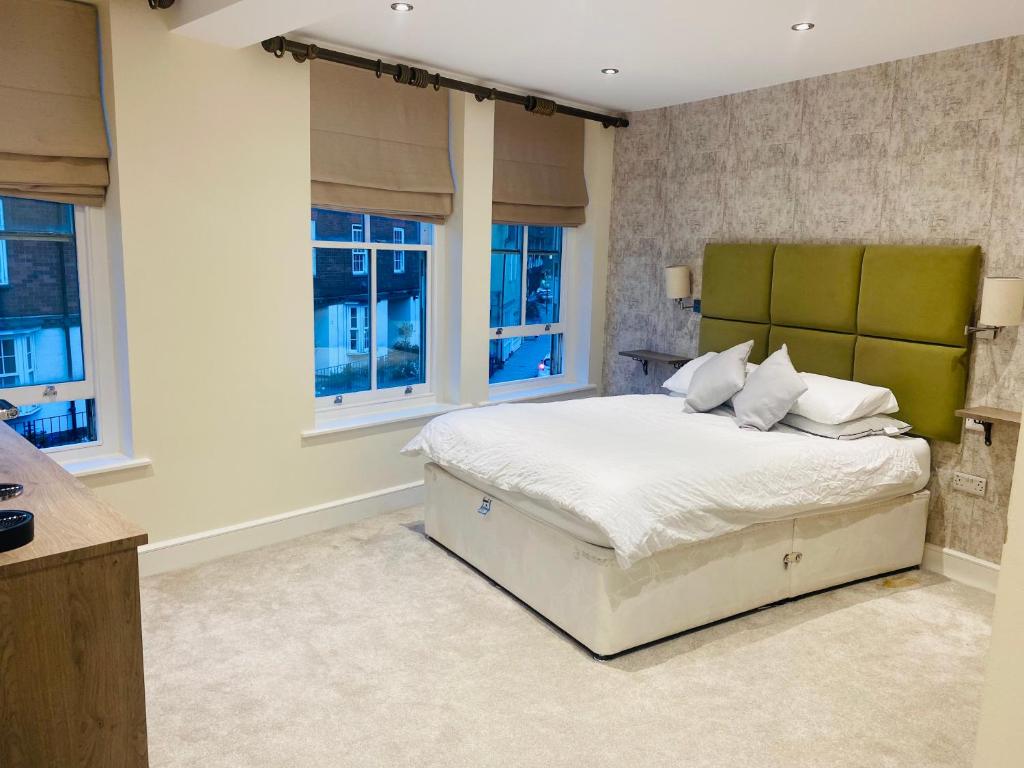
(368, 645)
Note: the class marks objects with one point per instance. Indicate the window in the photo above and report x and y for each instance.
(526, 303)
(370, 312)
(359, 256)
(45, 365)
(399, 238)
(357, 328)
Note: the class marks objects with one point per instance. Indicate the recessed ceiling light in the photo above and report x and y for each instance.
(401, 7)
(609, 71)
(803, 26)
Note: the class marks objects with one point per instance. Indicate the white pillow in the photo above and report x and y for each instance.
(869, 426)
(679, 382)
(770, 392)
(718, 379)
(836, 401)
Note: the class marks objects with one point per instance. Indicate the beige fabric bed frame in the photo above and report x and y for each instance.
(581, 588)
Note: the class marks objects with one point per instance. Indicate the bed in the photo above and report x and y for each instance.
(623, 521)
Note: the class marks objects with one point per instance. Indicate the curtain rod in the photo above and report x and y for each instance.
(421, 78)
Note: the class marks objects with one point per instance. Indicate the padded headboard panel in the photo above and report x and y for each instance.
(887, 315)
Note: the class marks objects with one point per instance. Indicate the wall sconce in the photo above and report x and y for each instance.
(677, 286)
(1002, 302)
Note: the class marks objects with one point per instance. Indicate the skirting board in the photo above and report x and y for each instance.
(961, 567)
(187, 551)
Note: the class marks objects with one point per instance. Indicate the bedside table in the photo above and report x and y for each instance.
(647, 356)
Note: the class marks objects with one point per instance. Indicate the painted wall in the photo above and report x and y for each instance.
(218, 320)
(924, 150)
(999, 739)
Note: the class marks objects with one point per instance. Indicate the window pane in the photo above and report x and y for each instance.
(387, 230)
(346, 227)
(506, 289)
(40, 311)
(543, 287)
(525, 357)
(336, 226)
(506, 275)
(341, 321)
(50, 425)
(507, 237)
(36, 216)
(401, 318)
(547, 239)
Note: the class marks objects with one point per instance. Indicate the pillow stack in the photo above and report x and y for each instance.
(774, 392)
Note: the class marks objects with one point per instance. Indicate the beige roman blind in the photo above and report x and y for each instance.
(53, 140)
(377, 146)
(538, 168)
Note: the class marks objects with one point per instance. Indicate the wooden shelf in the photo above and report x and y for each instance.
(986, 416)
(647, 356)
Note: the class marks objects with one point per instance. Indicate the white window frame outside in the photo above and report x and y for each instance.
(99, 356)
(361, 315)
(564, 325)
(359, 236)
(16, 370)
(398, 235)
(359, 267)
(327, 407)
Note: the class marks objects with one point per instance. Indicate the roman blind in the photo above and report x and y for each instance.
(378, 147)
(538, 168)
(53, 142)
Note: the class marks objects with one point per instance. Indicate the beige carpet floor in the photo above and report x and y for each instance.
(370, 646)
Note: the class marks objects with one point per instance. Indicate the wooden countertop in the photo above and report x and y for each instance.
(71, 522)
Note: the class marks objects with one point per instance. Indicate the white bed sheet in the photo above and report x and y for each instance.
(649, 477)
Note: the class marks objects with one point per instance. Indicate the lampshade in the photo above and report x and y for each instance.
(1002, 301)
(677, 282)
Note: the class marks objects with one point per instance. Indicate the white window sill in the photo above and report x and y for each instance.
(538, 393)
(336, 424)
(99, 465)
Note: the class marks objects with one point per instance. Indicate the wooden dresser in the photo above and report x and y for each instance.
(71, 680)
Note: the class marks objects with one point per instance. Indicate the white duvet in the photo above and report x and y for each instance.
(652, 477)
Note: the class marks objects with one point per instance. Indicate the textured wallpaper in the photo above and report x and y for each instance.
(923, 150)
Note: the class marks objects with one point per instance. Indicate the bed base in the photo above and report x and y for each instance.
(580, 588)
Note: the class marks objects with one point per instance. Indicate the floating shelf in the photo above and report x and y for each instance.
(986, 416)
(646, 356)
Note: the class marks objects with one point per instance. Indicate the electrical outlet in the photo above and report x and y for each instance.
(969, 483)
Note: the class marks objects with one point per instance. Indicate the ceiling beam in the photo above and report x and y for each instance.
(240, 23)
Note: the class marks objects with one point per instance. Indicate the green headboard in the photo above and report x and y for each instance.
(891, 315)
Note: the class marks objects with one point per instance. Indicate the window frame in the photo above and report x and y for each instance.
(564, 325)
(329, 406)
(99, 353)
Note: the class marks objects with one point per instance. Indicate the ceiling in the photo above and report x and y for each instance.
(668, 51)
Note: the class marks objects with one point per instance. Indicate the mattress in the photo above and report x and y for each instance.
(650, 477)
(586, 531)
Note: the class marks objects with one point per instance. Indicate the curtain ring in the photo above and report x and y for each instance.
(437, 82)
(379, 64)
